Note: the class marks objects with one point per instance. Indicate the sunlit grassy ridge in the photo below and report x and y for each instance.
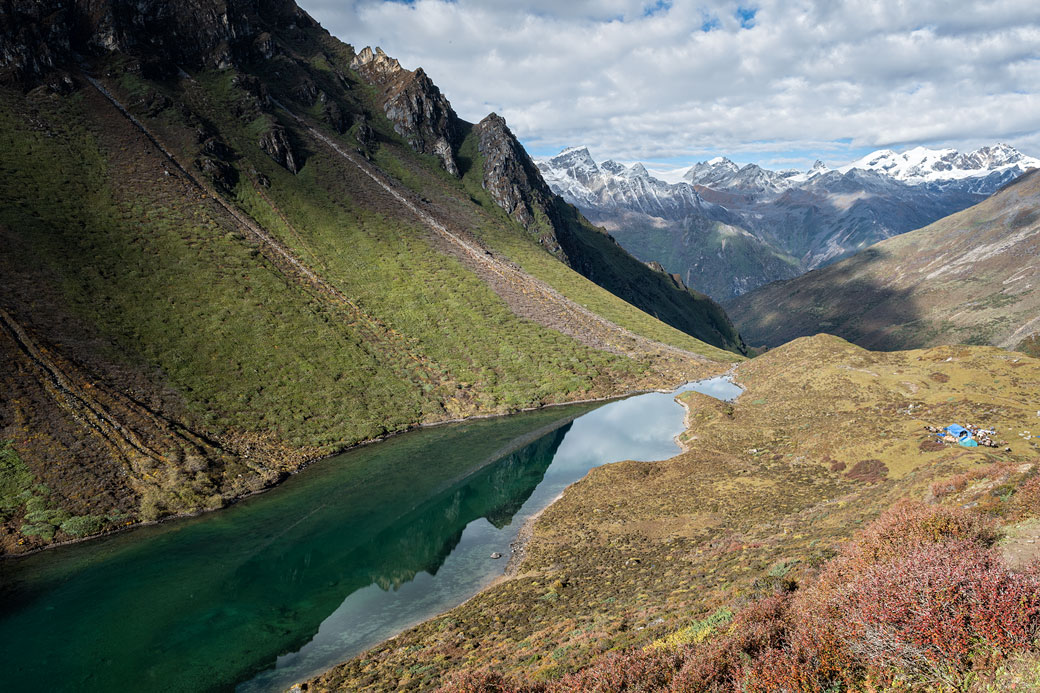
(218, 363)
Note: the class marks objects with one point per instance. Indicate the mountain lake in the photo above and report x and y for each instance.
(285, 584)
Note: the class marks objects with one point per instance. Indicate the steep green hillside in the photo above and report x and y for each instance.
(969, 278)
(221, 259)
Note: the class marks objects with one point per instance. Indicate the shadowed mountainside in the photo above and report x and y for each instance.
(969, 278)
(229, 246)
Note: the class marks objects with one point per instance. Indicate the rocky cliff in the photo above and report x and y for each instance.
(414, 104)
(41, 36)
(513, 181)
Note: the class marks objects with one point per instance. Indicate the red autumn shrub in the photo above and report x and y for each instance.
(933, 609)
(908, 524)
(634, 671)
(959, 482)
(780, 670)
(1027, 498)
(716, 664)
(818, 639)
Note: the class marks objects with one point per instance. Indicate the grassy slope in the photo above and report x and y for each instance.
(148, 288)
(965, 279)
(760, 495)
(702, 322)
(688, 320)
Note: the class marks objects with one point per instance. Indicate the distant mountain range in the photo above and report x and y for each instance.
(970, 278)
(726, 229)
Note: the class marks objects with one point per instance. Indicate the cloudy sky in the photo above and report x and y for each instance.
(775, 82)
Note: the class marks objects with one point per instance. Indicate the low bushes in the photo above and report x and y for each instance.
(918, 599)
(936, 610)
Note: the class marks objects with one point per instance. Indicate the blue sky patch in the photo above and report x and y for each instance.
(656, 7)
(746, 15)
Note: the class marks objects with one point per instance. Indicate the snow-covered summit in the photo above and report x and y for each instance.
(722, 174)
(575, 176)
(707, 173)
(922, 165)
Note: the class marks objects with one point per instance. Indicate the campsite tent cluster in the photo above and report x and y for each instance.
(969, 436)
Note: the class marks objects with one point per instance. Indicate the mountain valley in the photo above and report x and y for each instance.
(969, 278)
(236, 251)
(726, 229)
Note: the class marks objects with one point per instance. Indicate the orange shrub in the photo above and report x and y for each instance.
(934, 610)
(919, 594)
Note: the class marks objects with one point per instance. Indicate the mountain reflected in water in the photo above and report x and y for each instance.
(337, 559)
(200, 604)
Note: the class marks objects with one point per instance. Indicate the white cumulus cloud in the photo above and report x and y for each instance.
(781, 80)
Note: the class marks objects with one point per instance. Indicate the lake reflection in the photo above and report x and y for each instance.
(286, 584)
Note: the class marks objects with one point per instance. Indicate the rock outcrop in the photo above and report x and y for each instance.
(33, 39)
(38, 36)
(513, 181)
(415, 106)
(275, 141)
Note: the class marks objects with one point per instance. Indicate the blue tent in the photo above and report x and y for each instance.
(957, 430)
(968, 443)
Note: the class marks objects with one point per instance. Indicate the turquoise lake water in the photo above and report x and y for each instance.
(340, 557)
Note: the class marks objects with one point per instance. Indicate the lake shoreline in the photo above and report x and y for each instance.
(683, 444)
(307, 463)
(518, 547)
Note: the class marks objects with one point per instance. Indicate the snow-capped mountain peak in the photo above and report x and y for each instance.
(575, 176)
(922, 165)
(710, 172)
(818, 169)
(574, 156)
(638, 171)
